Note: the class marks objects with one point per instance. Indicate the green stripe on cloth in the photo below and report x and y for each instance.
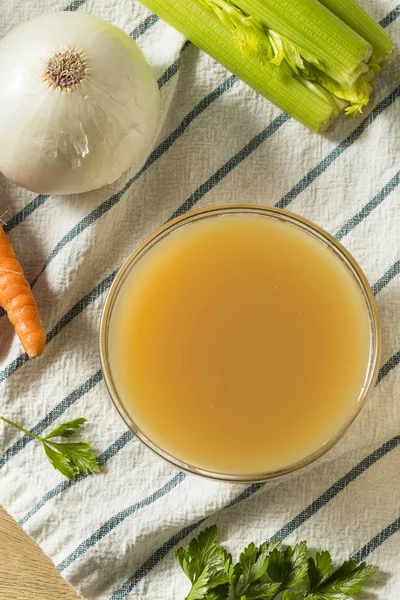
(153, 561)
(378, 540)
(322, 166)
(112, 523)
(369, 207)
(143, 27)
(388, 276)
(233, 162)
(74, 5)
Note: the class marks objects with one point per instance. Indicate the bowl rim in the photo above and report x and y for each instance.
(306, 226)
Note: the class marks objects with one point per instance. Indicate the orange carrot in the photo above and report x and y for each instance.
(17, 300)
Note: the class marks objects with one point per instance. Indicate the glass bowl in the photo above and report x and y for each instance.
(255, 210)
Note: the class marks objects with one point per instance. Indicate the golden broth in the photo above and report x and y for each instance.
(239, 344)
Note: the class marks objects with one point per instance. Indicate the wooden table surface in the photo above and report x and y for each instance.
(25, 572)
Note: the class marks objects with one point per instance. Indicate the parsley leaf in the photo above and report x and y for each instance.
(289, 566)
(199, 586)
(262, 591)
(70, 458)
(293, 595)
(233, 572)
(219, 593)
(66, 429)
(319, 569)
(254, 564)
(266, 572)
(347, 580)
(251, 579)
(204, 564)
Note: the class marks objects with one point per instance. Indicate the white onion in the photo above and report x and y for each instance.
(78, 104)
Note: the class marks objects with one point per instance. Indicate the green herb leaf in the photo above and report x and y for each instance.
(289, 566)
(60, 462)
(204, 564)
(293, 595)
(70, 458)
(319, 569)
(266, 572)
(233, 572)
(298, 564)
(252, 568)
(347, 579)
(252, 579)
(181, 556)
(66, 429)
(219, 593)
(263, 591)
(78, 456)
(277, 567)
(328, 596)
(200, 587)
(268, 548)
(324, 564)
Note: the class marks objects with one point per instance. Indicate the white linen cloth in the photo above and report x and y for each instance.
(112, 535)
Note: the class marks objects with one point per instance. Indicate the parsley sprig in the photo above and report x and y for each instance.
(70, 458)
(267, 572)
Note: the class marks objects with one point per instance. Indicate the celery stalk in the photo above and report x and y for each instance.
(343, 53)
(304, 100)
(351, 13)
(252, 37)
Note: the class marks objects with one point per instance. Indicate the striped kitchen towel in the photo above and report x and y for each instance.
(112, 535)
